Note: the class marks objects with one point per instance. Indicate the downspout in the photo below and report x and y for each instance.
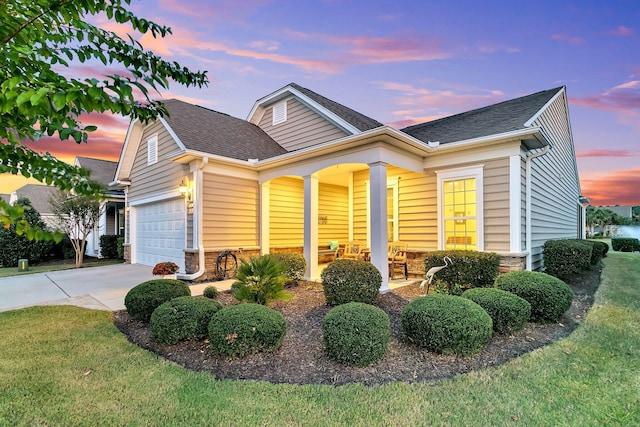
(528, 160)
(197, 211)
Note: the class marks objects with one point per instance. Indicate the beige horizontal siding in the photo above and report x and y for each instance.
(163, 176)
(333, 202)
(286, 212)
(496, 205)
(303, 127)
(230, 217)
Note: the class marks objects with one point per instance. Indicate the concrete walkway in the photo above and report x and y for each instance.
(101, 288)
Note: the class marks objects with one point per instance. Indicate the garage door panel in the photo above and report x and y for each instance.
(160, 233)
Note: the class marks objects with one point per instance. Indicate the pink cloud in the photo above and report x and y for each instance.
(616, 187)
(624, 98)
(567, 38)
(607, 153)
(621, 31)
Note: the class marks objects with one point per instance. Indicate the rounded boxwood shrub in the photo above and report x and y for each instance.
(210, 292)
(508, 311)
(142, 299)
(549, 296)
(294, 266)
(447, 324)
(356, 334)
(348, 280)
(245, 329)
(182, 318)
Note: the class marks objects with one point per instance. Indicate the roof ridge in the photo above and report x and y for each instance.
(199, 106)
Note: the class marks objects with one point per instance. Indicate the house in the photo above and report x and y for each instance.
(112, 206)
(303, 170)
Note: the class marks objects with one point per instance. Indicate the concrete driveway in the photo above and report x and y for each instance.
(102, 288)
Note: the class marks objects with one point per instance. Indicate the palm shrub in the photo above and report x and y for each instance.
(356, 334)
(294, 266)
(142, 299)
(260, 280)
(182, 318)
(549, 296)
(349, 280)
(508, 311)
(243, 329)
(447, 324)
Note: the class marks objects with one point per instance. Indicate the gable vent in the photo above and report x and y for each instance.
(152, 150)
(280, 112)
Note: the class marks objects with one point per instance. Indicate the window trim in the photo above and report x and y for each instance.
(394, 185)
(152, 150)
(279, 113)
(476, 172)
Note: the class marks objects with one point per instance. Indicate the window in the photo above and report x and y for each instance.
(460, 212)
(279, 113)
(152, 150)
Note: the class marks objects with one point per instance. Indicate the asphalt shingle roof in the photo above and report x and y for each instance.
(209, 131)
(38, 195)
(494, 119)
(102, 171)
(358, 120)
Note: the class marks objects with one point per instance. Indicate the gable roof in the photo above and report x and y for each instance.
(494, 119)
(37, 194)
(102, 171)
(208, 131)
(5, 197)
(358, 120)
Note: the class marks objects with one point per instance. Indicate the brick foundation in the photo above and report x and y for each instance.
(127, 252)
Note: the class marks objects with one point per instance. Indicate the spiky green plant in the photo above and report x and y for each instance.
(260, 280)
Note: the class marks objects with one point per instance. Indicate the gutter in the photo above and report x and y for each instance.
(198, 222)
(528, 160)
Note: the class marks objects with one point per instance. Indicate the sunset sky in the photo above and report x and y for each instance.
(405, 62)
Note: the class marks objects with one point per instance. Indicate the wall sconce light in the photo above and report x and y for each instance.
(186, 191)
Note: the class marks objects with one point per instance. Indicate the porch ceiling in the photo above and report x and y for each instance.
(339, 174)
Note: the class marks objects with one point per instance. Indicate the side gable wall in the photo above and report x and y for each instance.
(303, 127)
(555, 183)
(162, 177)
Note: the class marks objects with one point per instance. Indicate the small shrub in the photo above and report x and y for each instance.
(142, 299)
(348, 280)
(469, 269)
(599, 250)
(508, 311)
(447, 324)
(210, 292)
(294, 266)
(549, 296)
(356, 334)
(182, 318)
(260, 280)
(246, 329)
(625, 244)
(109, 246)
(567, 257)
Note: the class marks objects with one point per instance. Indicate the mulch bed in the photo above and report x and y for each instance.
(301, 359)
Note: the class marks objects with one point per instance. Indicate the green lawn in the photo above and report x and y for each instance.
(70, 366)
(45, 268)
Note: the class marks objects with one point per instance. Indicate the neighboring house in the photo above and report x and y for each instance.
(111, 207)
(39, 196)
(303, 170)
(623, 211)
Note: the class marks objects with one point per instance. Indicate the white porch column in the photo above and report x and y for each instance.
(379, 231)
(311, 226)
(265, 236)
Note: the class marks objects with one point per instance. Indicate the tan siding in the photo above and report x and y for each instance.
(496, 205)
(163, 176)
(555, 184)
(286, 212)
(303, 127)
(190, 243)
(333, 201)
(360, 205)
(230, 212)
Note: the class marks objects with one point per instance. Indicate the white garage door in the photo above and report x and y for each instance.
(160, 233)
